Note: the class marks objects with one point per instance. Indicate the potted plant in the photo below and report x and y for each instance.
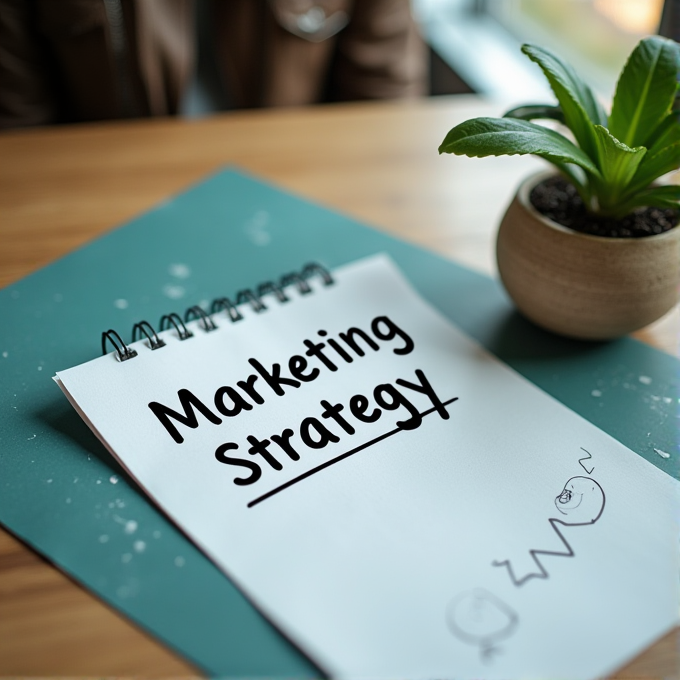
(593, 251)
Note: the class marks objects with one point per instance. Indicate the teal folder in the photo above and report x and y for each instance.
(64, 495)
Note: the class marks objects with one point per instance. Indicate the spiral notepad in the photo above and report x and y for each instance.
(247, 296)
(392, 497)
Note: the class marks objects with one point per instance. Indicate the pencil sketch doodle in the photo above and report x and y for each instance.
(581, 502)
(480, 618)
(580, 461)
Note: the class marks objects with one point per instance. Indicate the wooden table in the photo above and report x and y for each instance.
(61, 187)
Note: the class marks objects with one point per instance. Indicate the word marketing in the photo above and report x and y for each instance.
(312, 432)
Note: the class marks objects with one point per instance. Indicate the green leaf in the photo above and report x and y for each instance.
(645, 91)
(655, 165)
(667, 133)
(577, 101)
(536, 112)
(481, 137)
(658, 197)
(617, 163)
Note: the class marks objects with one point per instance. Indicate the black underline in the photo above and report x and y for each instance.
(337, 459)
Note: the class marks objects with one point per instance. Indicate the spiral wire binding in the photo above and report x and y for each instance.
(272, 287)
(175, 320)
(289, 279)
(124, 352)
(197, 312)
(145, 327)
(247, 295)
(226, 303)
(244, 296)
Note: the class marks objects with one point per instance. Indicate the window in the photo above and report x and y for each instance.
(480, 39)
(595, 36)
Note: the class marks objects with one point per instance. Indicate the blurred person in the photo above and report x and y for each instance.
(76, 60)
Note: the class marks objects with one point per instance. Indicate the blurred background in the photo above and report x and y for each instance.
(474, 44)
(82, 60)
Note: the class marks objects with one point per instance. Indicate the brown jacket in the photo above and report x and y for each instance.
(75, 60)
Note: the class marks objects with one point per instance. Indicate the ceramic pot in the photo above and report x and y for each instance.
(582, 286)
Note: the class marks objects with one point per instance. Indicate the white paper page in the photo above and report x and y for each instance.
(410, 556)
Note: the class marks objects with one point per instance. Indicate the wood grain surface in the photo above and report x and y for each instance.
(378, 162)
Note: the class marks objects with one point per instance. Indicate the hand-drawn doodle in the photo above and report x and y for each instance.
(582, 502)
(479, 617)
(580, 461)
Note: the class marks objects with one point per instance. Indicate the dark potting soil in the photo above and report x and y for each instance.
(557, 199)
